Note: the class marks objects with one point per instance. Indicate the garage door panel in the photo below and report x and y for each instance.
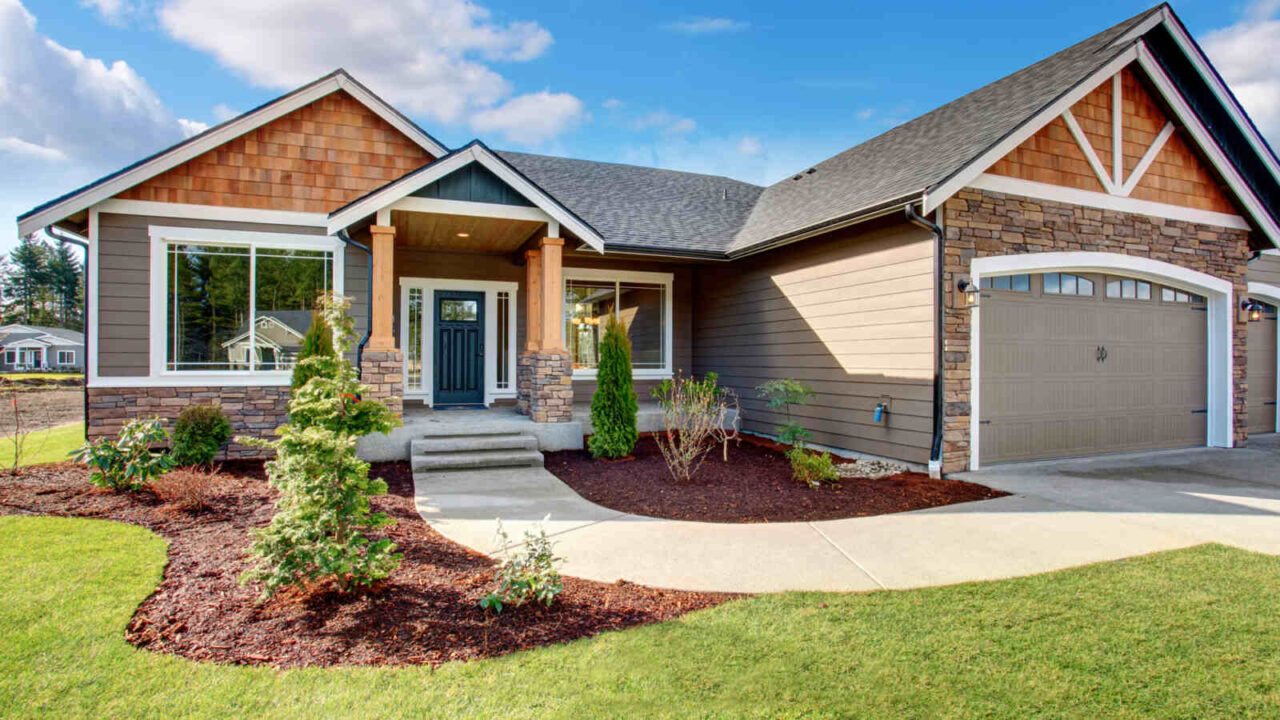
(1262, 373)
(1045, 391)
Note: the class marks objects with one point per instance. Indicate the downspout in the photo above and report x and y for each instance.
(939, 367)
(368, 321)
(58, 235)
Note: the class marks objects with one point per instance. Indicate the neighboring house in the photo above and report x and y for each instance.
(1052, 265)
(35, 347)
(277, 336)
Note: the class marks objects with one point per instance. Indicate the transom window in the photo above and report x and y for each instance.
(232, 307)
(641, 301)
(1067, 284)
(1015, 283)
(1177, 296)
(1128, 289)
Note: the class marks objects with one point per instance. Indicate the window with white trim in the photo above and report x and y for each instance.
(641, 301)
(66, 357)
(240, 307)
(10, 357)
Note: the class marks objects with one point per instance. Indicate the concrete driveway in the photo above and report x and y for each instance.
(1061, 514)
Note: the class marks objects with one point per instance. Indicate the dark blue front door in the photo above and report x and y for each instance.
(459, 348)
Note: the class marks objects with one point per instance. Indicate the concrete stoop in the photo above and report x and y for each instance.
(473, 449)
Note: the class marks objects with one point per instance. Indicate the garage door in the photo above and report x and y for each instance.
(1262, 372)
(1083, 364)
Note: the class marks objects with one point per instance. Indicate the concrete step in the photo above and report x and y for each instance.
(466, 443)
(441, 429)
(474, 460)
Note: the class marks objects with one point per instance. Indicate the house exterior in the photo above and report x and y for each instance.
(1063, 262)
(36, 347)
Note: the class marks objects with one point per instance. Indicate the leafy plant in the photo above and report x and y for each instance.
(188, 489)
(127, 463)
(812, 468)
(323, 513)
(198, 434)
(694, 413)
(317, 342)
(527, 574)
(613, 405)
(783, 394)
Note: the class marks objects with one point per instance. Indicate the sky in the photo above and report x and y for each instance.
(730, 88)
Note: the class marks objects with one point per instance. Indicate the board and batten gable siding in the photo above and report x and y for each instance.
(1265, 269)
(850, 315)
(502, 268)
(122, 305)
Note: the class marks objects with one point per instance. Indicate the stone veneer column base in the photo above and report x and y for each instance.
(253, 411)
(545, 386)
(383, 372)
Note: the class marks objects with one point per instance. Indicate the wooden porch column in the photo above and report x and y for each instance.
(382, 242)
(552, 295)
(533, 300)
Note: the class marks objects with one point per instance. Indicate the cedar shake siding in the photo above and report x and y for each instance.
(850, 315)
(122, 306)
(1265, 269)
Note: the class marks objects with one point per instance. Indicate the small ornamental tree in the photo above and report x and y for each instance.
(317, 534)
(613, 405)
(318, 342)
(782, 394)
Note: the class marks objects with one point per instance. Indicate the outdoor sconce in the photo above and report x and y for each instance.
(1250, 311)
(966, 293)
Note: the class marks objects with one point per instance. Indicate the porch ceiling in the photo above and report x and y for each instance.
(461, 233)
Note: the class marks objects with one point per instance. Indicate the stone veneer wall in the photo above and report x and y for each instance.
(544, 382)
(383, 372)
(255, 411)
(983, 223)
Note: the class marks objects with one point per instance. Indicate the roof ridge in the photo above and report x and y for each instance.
(629, 165)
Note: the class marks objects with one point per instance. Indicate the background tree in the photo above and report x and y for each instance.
(27, 283)
(614, 406)
(64, 275)
(42, 285)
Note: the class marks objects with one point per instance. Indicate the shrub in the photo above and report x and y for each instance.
(318, 342)
(323, 511)
(187, 489)
(812, 468)
(526, 574)
(694, 414)
(199, 433)
(127, 463)
(783, 394)
(613, 405)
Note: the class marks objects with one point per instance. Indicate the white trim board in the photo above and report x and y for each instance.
(620, 276)
(1220, 317)
(1104, 201)
(490, 288)
(394, 192)
(222, 134)
(1271, 294)
(212, 212)
(471, 209)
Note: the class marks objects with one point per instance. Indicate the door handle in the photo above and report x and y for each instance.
(1104, 353)
(1097, 354)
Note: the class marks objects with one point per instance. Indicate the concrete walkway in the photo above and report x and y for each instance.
(1061, 515)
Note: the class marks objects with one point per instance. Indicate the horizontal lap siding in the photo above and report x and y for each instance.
(122, 305)
(1266, 269)
(849, 315)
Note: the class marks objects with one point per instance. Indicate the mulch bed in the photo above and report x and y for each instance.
(426, 612)
(754, 486)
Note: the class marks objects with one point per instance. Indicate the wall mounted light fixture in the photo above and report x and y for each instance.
(966, 293)
(1250, 310)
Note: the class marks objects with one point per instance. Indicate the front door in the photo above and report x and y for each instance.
(459, 348)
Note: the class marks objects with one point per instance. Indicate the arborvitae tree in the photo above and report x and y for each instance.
(317, 342)
(614, 406)
(64, 275)
(317, 534)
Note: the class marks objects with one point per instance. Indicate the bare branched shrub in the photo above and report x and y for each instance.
(189, 489)
(694, 413)
(19, 417)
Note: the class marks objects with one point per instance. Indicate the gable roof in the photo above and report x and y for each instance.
(47, 335)
(641, 208)
(77, 200)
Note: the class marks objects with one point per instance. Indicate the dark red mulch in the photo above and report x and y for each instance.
(425, 613)
(754, 486)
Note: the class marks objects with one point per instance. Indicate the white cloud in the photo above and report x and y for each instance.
(427, 57)
(192, 127)
(865, 113)
(113, 11)
(532, 118)
(665, 121)
(1245, 55)
(222, 113)
(707, 25)
(612, 104)
(750, 145)
(66, 118)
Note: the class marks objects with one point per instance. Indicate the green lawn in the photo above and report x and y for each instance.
(1191, 633)
(44, 446)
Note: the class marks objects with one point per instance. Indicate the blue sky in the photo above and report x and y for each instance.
(734, 88)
